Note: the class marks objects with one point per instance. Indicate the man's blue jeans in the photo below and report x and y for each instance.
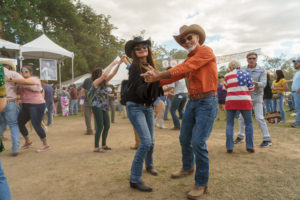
(9, 116)
(178, 103)
(49, 106)
(141, 117)
(280, 103)
(247, 115)
(4, 188)
(74, 103)
(259, 116)
(297, 107)
(197, 123)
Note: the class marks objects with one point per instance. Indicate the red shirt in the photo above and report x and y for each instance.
(200, 68)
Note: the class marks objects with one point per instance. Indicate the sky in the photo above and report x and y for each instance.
(231, 26)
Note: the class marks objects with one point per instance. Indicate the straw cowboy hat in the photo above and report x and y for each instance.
(194, 28)
(131, 43)
(10, 63)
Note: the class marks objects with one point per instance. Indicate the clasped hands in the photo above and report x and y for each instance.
(151, 75)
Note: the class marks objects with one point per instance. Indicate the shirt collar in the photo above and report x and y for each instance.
(194, 51)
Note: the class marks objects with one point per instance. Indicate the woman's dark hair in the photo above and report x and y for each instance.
(221, 77)
(96, 73)
(136, 60)
(279, 74)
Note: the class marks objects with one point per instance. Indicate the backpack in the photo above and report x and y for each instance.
(91, 95)
(124, 89)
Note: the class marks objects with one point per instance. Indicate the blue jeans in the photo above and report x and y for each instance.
(297, 107)
(167, 109)
(4, 188)
(247, 115)
(268, 103)
(35, 113)
(280, 103)
(178, 103)
(9, 116)
(197, 123)
(141, 117)
(74, 102)
(259, 116)
(49, 106)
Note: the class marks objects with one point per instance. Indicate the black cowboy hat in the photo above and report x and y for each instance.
(131, 43)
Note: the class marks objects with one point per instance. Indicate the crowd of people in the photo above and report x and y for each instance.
(148, 95)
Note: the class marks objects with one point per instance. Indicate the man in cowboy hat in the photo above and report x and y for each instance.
(201, 69)
(9, 116)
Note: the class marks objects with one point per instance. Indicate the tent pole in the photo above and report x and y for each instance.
(21, 60)
(59, 70)
(73, 69)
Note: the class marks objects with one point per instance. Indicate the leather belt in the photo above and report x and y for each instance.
(203, 95)
(11, 100)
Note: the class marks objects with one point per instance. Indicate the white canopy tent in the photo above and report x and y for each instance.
(11, 48)
(121, 75)
(78, 81)
(43, 47)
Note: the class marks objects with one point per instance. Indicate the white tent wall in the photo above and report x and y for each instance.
(11, 48)
(78, 81)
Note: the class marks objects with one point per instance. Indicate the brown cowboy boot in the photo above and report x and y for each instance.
(197, 192)
(137, 141)
(182, 173)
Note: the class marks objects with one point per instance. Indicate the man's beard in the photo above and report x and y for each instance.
(192, 48)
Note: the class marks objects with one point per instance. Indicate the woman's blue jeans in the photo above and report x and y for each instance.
(280, 103)
(247, 115)
(4, 188)
(197, 123)
(141, 117)
(35, 113)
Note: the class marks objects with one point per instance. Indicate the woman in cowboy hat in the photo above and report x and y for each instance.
(139, 105)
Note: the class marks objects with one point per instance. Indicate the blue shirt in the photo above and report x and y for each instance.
(101, 97)
(49, 92)
(296, 81)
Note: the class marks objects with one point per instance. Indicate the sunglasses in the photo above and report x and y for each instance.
(183, 40)
(138, 48)
(251, 58)
(26, 70)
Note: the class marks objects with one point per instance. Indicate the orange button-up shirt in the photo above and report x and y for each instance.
(200, 68)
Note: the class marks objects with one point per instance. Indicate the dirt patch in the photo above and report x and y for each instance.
(71, 171)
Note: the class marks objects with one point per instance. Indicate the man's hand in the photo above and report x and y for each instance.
(151, 75)
(255, 83)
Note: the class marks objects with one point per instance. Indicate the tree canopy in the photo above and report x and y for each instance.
(71, 24)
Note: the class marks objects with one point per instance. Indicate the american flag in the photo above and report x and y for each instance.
(238, 84)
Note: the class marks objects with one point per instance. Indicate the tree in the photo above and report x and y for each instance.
(178, 54)
(68, 23)
(273, 63)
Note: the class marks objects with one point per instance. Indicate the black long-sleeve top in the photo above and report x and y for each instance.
(268, 90)
(138, 90)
